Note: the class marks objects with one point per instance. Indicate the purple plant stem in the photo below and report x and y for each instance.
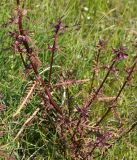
(91, 100)
(22, 59)
(54, 47)
(20, 28)
(94, 72)
(29, 51)
(119, 93)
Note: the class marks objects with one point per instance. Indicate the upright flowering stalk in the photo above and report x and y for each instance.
(21, 45)
(58, 28)
(100, 47)
(127, 79)
(83, 111)
(119, 54)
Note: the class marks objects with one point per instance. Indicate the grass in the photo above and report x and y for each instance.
(113, 21)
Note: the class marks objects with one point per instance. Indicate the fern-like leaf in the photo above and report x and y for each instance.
(27, 97)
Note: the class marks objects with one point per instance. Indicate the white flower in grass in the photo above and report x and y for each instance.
(88, 18)
(86, 9)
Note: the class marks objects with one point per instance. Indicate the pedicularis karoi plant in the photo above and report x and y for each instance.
(78, 135)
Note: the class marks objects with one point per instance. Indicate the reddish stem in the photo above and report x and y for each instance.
(119, 93)
(96, 66)
(91, 100)
(53, 49)
(29, 51)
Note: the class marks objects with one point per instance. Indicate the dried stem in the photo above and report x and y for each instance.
(25, 100)
(70, 82)
(26, 123)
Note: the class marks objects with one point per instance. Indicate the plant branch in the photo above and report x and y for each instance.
(26, 123)
(34, 67)
(95, 67)
(119, 93)
(91, 100)
(54, 47)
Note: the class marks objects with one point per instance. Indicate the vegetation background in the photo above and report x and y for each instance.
(115, 21)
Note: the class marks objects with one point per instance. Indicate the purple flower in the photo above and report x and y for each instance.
(59, 26)
(120, 53)
(101, 140)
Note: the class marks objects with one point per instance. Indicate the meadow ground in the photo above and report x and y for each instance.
(114, 21)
